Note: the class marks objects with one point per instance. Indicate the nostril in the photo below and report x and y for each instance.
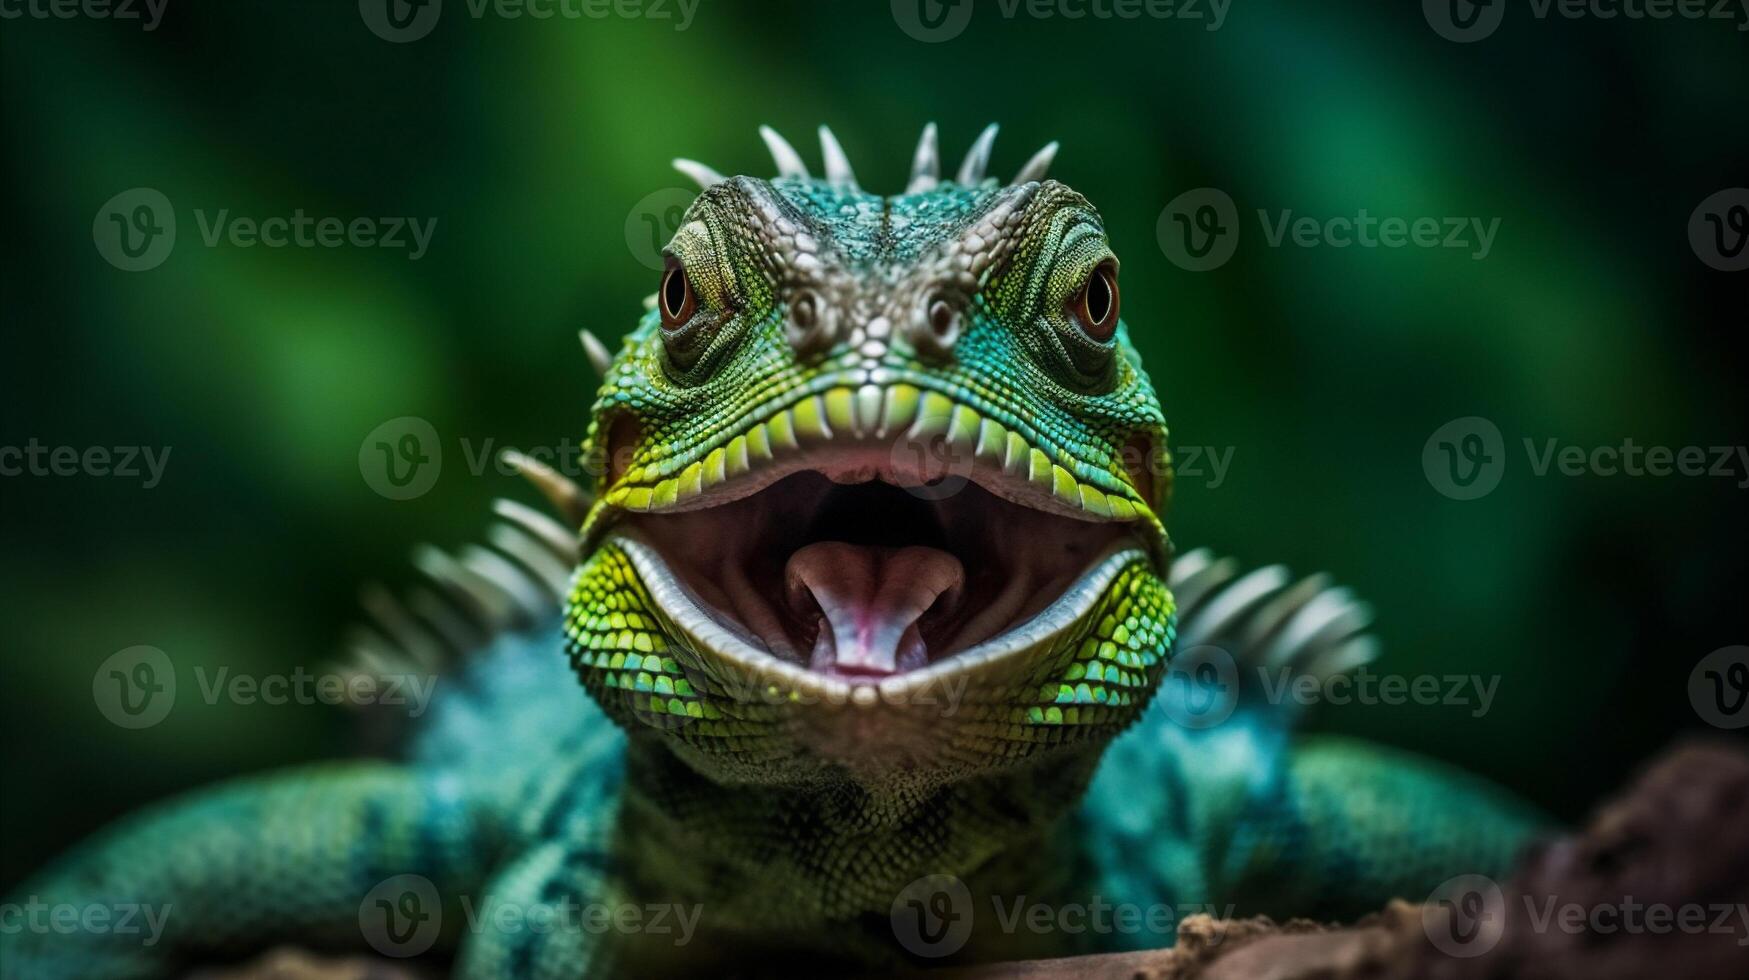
(938, 327)
(943, 320)
(809, 326)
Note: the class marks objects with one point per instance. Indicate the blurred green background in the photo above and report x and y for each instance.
(535, 144)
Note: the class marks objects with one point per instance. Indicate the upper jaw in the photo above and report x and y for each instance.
(875, 425)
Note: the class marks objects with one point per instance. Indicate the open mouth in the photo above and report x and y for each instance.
(852, 559)
(869, 579)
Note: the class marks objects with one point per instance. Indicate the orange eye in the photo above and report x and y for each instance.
(676, 300)
(1094, 308)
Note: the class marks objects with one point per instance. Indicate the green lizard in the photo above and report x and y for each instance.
(871, 578)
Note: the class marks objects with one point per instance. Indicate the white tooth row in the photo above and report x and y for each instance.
(873, 411)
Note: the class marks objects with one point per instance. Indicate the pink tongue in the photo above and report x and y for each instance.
(871, 599)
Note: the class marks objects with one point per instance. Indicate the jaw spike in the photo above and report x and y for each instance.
(977, 158)
(705, 177)
(925, 163)
(571, 501)
(599, 358)
(837, 164)
(789, 162)
(1038, 166)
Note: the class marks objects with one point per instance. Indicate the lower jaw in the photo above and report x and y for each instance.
(1077, 672)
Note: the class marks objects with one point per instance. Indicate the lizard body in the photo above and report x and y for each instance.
(871, 579)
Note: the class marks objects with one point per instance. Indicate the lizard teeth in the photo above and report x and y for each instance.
(866, 417)
(928, 435)
(810, 419)
(901, 408)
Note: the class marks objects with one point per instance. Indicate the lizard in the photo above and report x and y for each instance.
(860, 631)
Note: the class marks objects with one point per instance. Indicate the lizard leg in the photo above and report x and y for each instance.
(288, 857)
(1348, 826)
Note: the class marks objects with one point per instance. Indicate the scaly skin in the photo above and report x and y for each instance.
(870, 338)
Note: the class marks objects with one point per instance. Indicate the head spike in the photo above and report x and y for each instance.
(560, 540)
(599, 358)
(789, 162)
(837, 164)
(1038, 166)
(925, 163)
(977, 158)
(705, 177)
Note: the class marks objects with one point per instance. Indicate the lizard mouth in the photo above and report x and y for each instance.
(860, 554)
(866, 580)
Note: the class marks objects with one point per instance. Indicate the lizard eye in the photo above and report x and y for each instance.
(676, 299)
(1094, 306)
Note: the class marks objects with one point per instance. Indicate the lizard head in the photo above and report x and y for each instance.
(879, 480)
